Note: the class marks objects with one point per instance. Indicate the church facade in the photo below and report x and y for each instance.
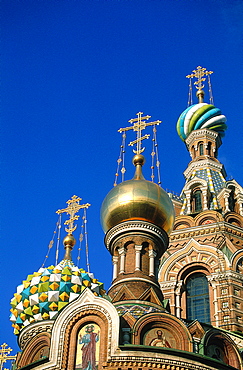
(176, 298)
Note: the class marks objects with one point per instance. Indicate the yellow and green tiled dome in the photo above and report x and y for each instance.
(44, 293)
(199, 116)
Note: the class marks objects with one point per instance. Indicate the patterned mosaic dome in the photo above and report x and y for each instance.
(199, 116)
(43, 294)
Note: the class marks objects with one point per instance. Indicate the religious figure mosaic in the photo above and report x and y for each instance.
(160, 338)
(88, 345)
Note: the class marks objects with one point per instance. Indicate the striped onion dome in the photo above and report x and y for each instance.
(199, 116)
(44, 293)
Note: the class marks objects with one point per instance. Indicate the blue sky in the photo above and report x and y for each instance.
(73, 73)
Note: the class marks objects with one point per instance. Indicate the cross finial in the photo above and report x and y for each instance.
(199, 73)
(72, 208)
(139, 124)
(4, 354)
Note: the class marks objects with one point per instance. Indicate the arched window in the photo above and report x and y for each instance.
(197, 201)
(232, 198)
(209, 148)
(197, 298)
(201, 151)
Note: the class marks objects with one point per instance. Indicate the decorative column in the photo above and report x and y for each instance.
(226, 200)
(188, 200)
(215, 299)
(205, 199)
(122, 254)
(115, 266)
(178, 299)
(239, 199)
(152, 255)
(138, 249)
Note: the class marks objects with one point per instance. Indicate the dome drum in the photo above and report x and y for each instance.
(133, 228)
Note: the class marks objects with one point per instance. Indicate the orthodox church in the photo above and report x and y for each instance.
(176, 298)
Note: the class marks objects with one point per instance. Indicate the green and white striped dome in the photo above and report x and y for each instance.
(44, 293)
(199, 116)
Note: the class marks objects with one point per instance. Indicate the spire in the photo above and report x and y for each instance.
(72, 208)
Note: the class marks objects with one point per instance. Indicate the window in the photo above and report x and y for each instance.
(225, 305)
(198, 298)
(238, 318)
(201, 151)
(231, 198)
(236, 292)
(224, 291)
(209, 148)
(226, 318)
(239, 266)
(197, 201)
(237, 305)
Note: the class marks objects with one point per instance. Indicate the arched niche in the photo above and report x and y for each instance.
(162, 330)
(237, 261)
(182, 222)
(78, 326)
(208, 217)
(234, 219)
(219, 346)
(38, 349)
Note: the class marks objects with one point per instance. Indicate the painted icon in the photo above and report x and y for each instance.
(88, 347)
(159, 338)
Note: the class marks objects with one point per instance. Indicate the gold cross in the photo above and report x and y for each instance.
(4, 354)
(139, 124)
(72, 208)
(199, 73)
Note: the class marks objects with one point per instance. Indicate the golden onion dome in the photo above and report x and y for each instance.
(137, 199)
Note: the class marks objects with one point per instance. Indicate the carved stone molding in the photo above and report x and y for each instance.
(167, 284)
(225, 276)
(136, 362)
(131, 227)
(206, 229)
(32, 330)
(202, 165)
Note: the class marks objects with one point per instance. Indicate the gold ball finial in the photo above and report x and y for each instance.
(138, 159)
(69, 241)
(200, 95)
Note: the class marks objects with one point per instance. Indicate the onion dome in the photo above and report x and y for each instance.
(46, 292)
(199, 116)
(137, 199)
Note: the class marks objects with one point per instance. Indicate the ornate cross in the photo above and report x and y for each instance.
(72, 208)
(199, 73)
(139, 124)
(4, 354)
